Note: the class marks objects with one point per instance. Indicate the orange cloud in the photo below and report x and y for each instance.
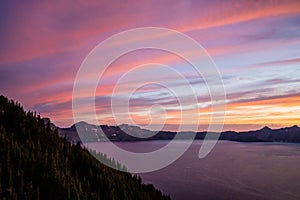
(231, 13)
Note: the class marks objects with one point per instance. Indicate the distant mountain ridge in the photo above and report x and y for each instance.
(93, 133)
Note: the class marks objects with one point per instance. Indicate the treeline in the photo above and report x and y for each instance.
(35, 163)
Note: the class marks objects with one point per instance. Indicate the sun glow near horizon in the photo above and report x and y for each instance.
(255, 45)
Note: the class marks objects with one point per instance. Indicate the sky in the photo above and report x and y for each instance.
(254, 44)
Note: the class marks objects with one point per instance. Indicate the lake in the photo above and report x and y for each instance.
(233, 170)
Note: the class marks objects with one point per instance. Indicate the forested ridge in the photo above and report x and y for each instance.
(35, 163)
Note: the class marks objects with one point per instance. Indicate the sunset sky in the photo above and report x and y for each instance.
(255, 45)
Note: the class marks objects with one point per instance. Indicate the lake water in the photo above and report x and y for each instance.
(232, 170)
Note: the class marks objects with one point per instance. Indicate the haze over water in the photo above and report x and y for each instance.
(232, 170)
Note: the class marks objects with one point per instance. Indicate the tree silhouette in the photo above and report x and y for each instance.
(35, 163)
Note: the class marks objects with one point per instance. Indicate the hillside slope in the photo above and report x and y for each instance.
(35, 163)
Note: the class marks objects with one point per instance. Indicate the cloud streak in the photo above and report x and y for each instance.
(255, 44)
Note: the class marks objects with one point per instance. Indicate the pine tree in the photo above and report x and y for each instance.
(35, 163)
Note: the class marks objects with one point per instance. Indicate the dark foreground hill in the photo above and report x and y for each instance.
(35, 163)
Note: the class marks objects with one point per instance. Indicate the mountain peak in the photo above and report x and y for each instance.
(266, 128)
(295, 127)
